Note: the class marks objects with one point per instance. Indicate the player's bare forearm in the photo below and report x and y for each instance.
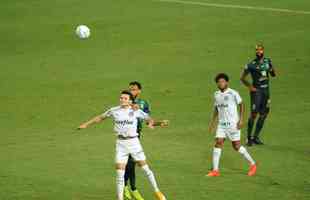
(241, 115)
(161, 123)
(244, 80)
(214, 120)
(94, 120)
(152, 123)
(242, 111)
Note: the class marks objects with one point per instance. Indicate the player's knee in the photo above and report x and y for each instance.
(219, 143)
(120, 166)
(253, 115)
(267, 112)
(263, 116)
(141, 163)
(236, 146)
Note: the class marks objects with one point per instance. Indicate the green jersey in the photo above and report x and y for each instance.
(144, 106)
(260, 71)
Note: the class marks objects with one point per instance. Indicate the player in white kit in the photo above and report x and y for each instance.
(125, 125)
(229, 123)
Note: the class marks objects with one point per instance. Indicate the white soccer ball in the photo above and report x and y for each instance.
(82, 31)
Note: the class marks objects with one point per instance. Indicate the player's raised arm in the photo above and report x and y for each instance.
(213, 121)
(94, 120)
(161, 123)
(151, 122)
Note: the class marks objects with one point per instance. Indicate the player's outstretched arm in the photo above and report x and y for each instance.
(213, 121)
(161, 123)
(94, 120)
(152, 123)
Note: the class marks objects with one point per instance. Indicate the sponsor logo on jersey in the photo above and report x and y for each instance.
(222, 105)
(124, 122)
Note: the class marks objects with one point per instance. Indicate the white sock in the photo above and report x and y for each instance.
(120, 184)
(246, 155)
(216, 157)
(150, 175)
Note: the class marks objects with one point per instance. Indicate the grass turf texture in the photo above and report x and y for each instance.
(50, 82)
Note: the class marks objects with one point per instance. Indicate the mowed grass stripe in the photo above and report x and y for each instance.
(282, 10)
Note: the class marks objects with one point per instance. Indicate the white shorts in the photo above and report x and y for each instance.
(233, 134)
(132, 147)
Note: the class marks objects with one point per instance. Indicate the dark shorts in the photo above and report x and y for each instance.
(260, 101)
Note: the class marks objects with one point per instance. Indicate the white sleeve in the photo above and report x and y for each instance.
(238, 98)
(107, 114)
(142, 115)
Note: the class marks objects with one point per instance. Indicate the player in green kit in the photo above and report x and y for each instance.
(260, 69)
(130, 175)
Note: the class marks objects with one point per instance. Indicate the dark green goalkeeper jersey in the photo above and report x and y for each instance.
(260, 72)
(144, 106)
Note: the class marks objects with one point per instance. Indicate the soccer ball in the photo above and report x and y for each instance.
(82, 31)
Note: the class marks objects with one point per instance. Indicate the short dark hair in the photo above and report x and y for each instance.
(138, 84)
(221, 76)
(259, 45)
(129, 94)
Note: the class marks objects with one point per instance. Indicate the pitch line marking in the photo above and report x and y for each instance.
(236, 6)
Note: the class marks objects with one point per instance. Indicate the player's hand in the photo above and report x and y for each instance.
(135, 106)
(83, 126)
(252, 88)
(239, 125)
(151, 125)
(164, 123)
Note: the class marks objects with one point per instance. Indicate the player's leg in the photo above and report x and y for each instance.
(121, 158)
(151, 178)
(132, 179)
(132, 176)
(217, 151)
(252, 118)
(129, 177)
(243, 151)
(139, 157)
(234, 136)
(264, 110)
(120, 180)
(259, 126)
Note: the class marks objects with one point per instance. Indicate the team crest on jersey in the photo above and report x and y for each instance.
(226, 98)
(131, 114)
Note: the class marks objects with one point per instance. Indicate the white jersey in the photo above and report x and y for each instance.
(125, 120)
(226, 104)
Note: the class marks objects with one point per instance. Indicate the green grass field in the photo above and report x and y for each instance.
(50, 81)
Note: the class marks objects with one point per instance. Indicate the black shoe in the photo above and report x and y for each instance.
(250, 142)
(256, 140)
